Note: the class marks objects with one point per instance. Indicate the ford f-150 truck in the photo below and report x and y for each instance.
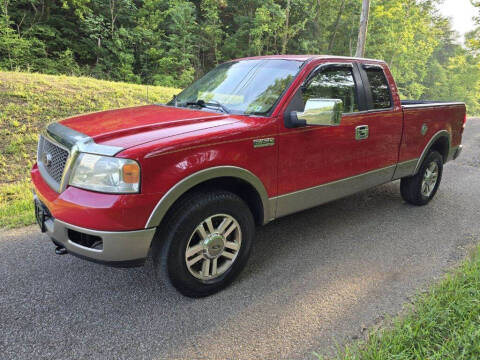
(253, 140)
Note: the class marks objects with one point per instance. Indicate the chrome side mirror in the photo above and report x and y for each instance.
(319, 112)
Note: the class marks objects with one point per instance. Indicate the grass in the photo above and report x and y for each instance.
(16, 204)
(28, 102)
(444, 323)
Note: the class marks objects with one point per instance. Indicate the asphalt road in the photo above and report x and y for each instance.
(315, 280)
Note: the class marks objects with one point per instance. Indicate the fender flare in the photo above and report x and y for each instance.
(172, 195)
(438, 135)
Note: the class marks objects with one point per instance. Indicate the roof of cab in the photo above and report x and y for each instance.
(308, 58)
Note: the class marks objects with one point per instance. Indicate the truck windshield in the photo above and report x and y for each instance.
(242, 87)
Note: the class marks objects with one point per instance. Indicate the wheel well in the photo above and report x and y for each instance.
(442, 146)
(237, 186)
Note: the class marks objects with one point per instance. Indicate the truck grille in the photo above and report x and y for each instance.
(52, 159)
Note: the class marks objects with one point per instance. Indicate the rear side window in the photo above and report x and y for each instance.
(379, 87)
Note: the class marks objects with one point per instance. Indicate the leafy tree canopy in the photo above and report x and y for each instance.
(172, 42)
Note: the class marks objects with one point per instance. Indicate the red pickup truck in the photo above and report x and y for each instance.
(251, 141)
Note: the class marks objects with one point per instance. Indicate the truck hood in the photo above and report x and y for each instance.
(129, 127)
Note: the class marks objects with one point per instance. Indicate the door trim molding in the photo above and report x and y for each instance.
(405, 168)
(318, 195)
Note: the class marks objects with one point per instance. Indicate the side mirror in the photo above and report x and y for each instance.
(320, 112)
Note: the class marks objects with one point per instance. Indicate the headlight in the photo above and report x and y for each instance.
(106, 174)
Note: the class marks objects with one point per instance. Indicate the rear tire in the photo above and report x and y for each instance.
(422, 187)
(204, 242)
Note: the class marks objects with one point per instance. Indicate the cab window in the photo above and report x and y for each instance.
(379, 88)
(334, 83)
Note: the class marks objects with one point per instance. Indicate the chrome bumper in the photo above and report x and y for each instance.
(125, 248)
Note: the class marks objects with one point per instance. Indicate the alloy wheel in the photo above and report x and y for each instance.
(213, 247)
(430, 178)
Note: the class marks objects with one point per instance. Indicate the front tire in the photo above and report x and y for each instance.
(204, 243)
(422, 187)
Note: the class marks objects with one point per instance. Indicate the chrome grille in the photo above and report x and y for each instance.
(52, 158)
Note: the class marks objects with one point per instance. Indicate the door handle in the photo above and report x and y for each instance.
(361, 132)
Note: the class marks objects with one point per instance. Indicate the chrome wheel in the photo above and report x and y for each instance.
(430, 178)
(213, 247)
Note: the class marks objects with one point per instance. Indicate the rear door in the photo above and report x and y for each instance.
(384, 120)
(318, 164)
(314, 155)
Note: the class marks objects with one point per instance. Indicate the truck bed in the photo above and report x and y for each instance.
(424, 119)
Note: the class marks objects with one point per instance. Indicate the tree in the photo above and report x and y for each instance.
(362, 32)
(212, 31)
(267, 24)
(17, 52)
(172, 42)
(337, 23)
(472, 39)
(176, 67)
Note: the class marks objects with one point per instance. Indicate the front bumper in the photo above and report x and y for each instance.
(92, 210)
(123, 248)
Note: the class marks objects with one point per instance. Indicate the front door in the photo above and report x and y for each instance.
(318, 164)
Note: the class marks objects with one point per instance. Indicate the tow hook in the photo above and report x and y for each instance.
(60, 250)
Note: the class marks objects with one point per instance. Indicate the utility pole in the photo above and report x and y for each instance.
(362, 32)
(285, 36)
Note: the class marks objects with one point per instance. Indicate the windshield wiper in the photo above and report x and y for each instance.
(203, 104)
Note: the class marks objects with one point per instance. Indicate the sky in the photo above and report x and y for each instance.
(461, 12)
